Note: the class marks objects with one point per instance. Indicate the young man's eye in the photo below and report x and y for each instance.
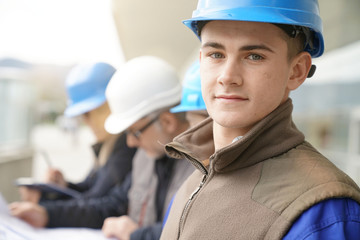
(216, 55)
(255, 57)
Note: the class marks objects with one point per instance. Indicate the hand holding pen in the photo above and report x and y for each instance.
(53, 175)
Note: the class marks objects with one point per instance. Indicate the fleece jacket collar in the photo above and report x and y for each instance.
(272, 136)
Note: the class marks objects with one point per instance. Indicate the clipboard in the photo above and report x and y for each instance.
(47, 187)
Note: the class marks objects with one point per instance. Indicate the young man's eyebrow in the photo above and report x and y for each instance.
(244, 48)
(213, 45)
(255, 47)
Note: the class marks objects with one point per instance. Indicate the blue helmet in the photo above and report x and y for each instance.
(303, 13)
(86, 85)
(191, 99)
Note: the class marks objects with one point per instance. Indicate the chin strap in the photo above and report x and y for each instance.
(312, 71)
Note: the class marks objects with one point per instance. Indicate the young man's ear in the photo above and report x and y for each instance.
(300, 67)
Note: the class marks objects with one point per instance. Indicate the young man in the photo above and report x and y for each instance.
(257, 177)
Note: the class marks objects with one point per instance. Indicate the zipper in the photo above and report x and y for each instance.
(182, 218)
(198, 165)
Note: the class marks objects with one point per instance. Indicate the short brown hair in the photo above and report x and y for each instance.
(297, 37)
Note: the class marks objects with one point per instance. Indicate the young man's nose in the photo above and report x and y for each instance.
(230, 73)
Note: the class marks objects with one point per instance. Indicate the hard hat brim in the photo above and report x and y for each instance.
(118, 122)
(85, 106)
(180, 108)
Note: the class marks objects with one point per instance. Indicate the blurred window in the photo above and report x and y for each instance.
(16, 108)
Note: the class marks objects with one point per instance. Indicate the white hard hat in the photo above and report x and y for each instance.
(140, 87)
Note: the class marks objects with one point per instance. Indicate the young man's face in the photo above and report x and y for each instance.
(244, 72)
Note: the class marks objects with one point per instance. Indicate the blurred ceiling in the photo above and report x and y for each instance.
(341, 22)
(155, 28)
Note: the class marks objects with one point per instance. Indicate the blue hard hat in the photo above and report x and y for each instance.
(303, 13)
(191, 99)
(86, 85)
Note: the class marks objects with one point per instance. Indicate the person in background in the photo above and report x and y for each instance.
(139, 103)
(86, 85)
(149, 125)
(192, 102)
(257, 177)
(193, 106)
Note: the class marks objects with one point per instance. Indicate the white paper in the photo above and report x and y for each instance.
(12, 228)
(3, 207)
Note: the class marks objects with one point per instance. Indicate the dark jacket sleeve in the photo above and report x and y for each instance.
(118, 165)
(88, 212)
(152, 232)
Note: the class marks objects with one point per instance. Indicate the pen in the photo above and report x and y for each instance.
(46, 158)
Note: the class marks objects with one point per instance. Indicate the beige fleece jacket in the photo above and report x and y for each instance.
(254, 188)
